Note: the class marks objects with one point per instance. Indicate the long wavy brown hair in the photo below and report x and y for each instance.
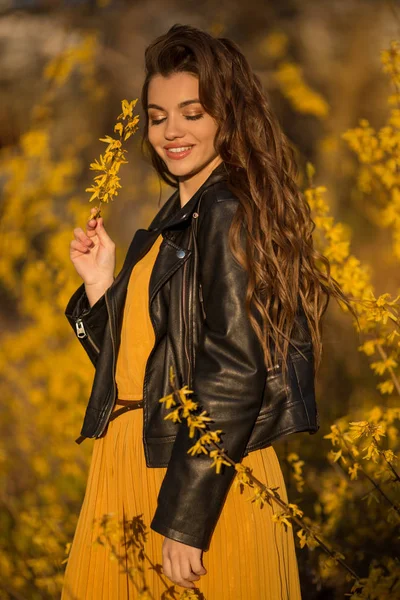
(279, 256)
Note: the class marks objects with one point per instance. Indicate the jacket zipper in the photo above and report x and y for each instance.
(106, 416)
(194, 231)
(185, 324)
(146, 375)
(186, 345)
(145, 378)
(82, 333)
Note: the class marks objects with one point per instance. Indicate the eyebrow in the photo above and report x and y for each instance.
(180, 105)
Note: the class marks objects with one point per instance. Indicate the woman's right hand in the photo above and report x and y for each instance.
(93, 253)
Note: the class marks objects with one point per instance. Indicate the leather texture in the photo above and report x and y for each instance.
(196, 301)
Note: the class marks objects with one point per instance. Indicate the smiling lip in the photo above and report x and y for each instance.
(178, 155)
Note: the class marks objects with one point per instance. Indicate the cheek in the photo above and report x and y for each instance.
(154, 138)
(151, 136)
(208, 132)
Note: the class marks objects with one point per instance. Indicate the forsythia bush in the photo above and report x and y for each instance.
(45, 377)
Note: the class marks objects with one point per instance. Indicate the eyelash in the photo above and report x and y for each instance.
(194, 118)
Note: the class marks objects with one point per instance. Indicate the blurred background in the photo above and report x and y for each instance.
(332, 73)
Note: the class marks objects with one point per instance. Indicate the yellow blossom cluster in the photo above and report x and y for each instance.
(125, 542)
(261, 493)
(358, 449)
(42, 472)
(379, 155)
(108, 182)
(349, 437)
(77, 55)
(297, 466)
(36, 277)
(289, 77)
(379, 317)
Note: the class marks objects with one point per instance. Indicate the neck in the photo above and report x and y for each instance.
(188, 187)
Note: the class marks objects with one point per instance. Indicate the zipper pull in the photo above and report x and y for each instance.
(80, 329)
(201, 293)
(202, 301)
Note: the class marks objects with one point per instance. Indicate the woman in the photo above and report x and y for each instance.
(228, 258)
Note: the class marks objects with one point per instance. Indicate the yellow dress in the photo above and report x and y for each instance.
(251, 557)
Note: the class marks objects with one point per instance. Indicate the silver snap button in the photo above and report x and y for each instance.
(195, 215)
(180, 253)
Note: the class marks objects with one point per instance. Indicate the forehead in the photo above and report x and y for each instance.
(170, 91)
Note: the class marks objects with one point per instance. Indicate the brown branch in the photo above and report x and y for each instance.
(274, 496)
(370, 479)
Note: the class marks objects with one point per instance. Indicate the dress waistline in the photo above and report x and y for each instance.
(126, 405)
(132, 403)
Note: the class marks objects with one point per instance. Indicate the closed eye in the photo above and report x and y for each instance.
(193, 118)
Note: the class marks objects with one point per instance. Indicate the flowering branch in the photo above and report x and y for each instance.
(359, 429)
(108, 182)
(132, 534)
(185, 408)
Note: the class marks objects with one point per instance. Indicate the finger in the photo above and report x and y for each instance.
(80, 236)
(177, 575)
(103, 235)
(76, 245)
(91, 224)
(186, 570)
(176, 570)
(197, 566)
(167, 568)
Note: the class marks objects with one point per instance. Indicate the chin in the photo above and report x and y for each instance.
(183, 170)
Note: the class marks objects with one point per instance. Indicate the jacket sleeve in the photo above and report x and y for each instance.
(88, 322)
(228, 382)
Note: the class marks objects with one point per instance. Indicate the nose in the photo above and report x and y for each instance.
(173, 129)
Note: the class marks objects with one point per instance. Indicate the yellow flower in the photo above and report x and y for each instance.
(127, 109)
(174, 416)
(196, 422)
(107, 184)
(281, 518)
(353, 471)
(218, 460)
(119, 128)
(168, 400)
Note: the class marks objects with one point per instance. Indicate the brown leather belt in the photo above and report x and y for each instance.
(127, 405)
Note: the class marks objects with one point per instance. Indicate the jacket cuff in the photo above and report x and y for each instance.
(92, 321)
(179, 536)
(78, 305)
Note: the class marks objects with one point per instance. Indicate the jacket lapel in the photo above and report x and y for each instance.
(172, 214)
(168, 260)
(171, 255)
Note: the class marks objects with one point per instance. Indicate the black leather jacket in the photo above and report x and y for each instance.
(196, 302)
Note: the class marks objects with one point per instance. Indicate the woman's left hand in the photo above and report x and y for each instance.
(182, 564)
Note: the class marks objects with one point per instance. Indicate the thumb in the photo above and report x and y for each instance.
(197, 567)
(101, 232)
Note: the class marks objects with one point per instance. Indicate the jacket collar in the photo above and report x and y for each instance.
(172, 213)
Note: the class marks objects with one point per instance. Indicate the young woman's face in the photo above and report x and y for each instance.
(177, 119)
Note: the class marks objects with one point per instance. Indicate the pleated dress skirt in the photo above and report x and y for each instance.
(115, 555)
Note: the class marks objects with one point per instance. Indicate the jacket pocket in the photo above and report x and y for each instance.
(276, 394)
(299, 383)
